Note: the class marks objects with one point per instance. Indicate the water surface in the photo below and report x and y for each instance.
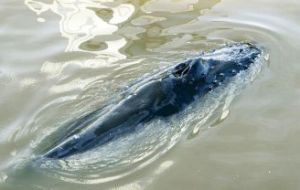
(61, 58)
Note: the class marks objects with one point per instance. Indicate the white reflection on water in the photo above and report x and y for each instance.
(108, 27)
(80, 23)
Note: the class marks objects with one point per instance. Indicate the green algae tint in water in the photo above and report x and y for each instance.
(61, 58)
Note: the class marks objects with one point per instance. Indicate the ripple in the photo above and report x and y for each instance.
(123, 42)
(129, 153)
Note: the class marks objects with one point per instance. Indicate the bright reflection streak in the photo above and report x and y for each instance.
(122, 13)
(82, 21)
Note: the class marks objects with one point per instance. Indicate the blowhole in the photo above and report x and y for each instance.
(181, 70)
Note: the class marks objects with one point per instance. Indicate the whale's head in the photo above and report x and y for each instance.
(228, 61)
(214, 67)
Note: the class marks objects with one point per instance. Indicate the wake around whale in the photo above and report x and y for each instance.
(163, 95)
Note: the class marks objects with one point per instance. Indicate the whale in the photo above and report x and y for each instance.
(164, 94)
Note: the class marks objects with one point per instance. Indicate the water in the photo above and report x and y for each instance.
(61, 58)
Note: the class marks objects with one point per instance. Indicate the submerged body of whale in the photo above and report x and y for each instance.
(164, 95)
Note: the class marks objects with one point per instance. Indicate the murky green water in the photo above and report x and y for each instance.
(60, 58)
